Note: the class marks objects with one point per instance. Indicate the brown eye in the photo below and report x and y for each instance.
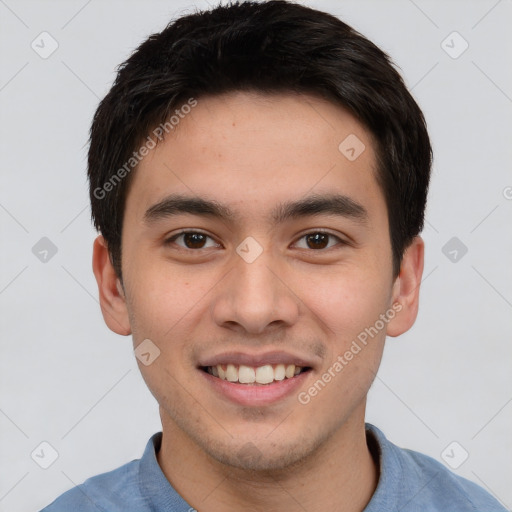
(317, 240)
(192, 240)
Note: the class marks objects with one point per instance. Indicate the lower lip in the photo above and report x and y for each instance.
(256, 395)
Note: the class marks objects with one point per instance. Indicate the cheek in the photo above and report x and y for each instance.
(348, 306)
(344, 301)
(163, 300)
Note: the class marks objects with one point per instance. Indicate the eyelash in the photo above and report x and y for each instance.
(173, 238)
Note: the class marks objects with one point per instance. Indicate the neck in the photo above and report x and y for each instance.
(340, 475)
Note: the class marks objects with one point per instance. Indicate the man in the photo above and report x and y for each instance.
(259, 174)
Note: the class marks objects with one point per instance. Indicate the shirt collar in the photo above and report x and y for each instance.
(161, 496)
(390, 471)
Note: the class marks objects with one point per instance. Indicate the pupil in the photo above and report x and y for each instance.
(194, 240)
(317, 240)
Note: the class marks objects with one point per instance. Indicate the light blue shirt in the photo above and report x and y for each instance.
(409, 482)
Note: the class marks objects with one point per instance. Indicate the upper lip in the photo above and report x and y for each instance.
(256, 360)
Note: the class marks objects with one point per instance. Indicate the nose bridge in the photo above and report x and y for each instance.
(254, 297)
(257, 282)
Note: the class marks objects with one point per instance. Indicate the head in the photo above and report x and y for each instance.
(289, 145)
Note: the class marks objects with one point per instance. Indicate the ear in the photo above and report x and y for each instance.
(406, 288)
(112, 299)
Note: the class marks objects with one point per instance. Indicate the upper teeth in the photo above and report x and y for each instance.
(260, 375)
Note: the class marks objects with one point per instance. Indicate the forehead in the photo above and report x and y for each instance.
(251, 151)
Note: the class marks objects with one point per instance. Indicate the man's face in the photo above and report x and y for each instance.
(263, 284)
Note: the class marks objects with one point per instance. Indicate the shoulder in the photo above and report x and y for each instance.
(108, 492)
(414, 481)
(118, 490)
(446, 489)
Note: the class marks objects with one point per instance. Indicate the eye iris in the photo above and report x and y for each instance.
(194, 240)
(317, 240)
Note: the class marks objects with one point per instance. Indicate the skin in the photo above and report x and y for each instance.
(250, 152)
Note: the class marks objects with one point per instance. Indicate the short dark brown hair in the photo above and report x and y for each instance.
(269, 47)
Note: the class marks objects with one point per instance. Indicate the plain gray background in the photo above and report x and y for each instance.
(68, 381)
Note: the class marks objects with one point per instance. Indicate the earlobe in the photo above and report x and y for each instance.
(111, 293)
(406, 288)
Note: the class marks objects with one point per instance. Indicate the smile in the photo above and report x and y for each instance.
(261, 375)
(255, 386)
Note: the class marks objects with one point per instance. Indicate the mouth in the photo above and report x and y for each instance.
(249, 385)
(255, 376)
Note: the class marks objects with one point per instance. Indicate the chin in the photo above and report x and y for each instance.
(262, 457)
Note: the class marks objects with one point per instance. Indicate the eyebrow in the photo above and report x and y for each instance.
(330, 204)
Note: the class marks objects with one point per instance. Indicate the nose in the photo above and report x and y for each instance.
(255, 297)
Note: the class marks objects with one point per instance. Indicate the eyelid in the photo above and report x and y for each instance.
(340, 240)
(171, 239)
